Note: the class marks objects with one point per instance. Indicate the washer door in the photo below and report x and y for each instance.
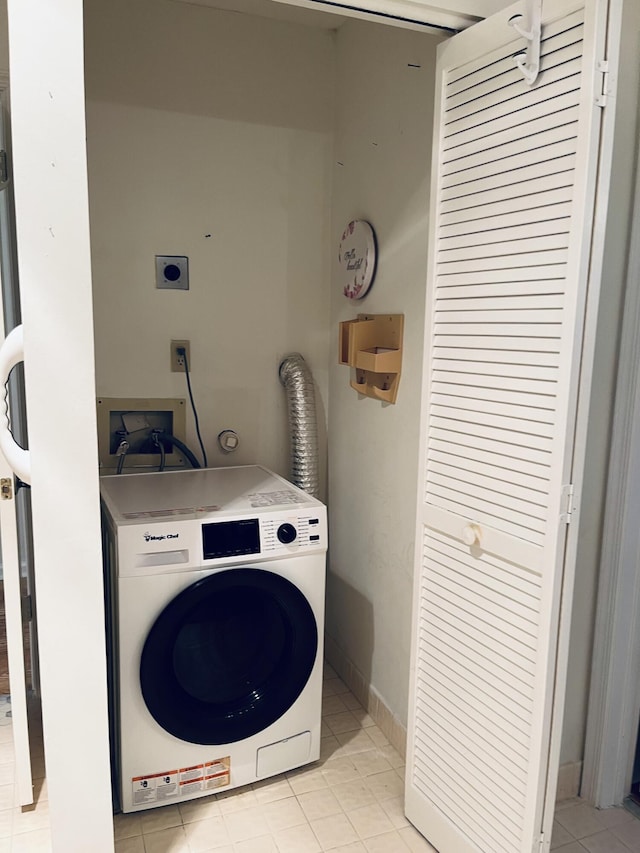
(228, 656)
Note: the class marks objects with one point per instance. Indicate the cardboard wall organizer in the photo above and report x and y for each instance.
(372, 344)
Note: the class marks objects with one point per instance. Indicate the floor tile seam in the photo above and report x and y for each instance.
(378, 799)
(581, 837)
(359, 837)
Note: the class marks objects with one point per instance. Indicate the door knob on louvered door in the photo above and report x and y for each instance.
(471, 534)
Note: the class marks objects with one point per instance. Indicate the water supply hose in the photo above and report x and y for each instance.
(170, 441)
(303, 426)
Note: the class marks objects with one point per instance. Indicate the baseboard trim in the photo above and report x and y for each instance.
(368, 696)
(569, 777)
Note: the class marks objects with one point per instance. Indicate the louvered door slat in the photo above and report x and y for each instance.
(544, 343)
(509, 260)
(479, 697)
(486, 579)
(551, 125)
(504, 673)
(501, 374)
(494, 501)
(514, 180)
(484, 511)
(489, 479)
(555, 52)
(439, 686)
(506, 679)
(495, 233)
(516, 423)
(513, 197)
(490, 782)
(502, 432)
(487, 690)
(451, 717)
(507, 775)
(447, 792)
(515, 418)
(482, 389)
(524, 585)
(517, 310)
(484, 303)
(490, 117)
(446, 623)
(550, 167)
(539, 279)
(500, 465)
(541, 325)
(553, 205)
(486, 443)
(501, 388)
(554, 140)
(503, 250)
(484, 782)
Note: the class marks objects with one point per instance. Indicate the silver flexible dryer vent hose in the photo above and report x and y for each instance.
(301, 401)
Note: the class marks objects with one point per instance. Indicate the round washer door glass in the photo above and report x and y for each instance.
(228, 656)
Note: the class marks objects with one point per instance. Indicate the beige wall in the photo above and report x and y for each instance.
(210, 135)
(383, 142)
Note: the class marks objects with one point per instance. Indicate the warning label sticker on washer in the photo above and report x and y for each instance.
(154, 788)
(180, 783)
(284, 497)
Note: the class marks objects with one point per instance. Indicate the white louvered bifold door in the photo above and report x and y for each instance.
(511, 218)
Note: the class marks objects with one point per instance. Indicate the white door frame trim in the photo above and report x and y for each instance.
(614, 699)
(52, 228)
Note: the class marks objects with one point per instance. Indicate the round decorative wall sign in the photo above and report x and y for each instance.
(357, 256)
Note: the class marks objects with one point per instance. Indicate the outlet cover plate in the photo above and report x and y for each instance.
(172, 272)
(177, 364)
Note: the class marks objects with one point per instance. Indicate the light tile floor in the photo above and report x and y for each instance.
(351, 801)
(579, 828)
(23, 830)
(348, 802)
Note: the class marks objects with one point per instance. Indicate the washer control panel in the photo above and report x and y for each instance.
(281, 533)
(288, 533)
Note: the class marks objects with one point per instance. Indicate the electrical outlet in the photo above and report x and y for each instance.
(177, 361)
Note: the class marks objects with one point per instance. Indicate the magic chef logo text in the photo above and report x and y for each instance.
(148, 537)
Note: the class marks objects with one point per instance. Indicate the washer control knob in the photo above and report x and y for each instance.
(287, 533)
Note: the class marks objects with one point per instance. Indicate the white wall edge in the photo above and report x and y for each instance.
(614, 698)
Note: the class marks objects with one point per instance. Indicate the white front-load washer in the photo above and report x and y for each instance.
(215, 584)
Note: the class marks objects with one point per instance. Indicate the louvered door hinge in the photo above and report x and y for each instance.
(541, 843)
(603, 70)
(567, 504)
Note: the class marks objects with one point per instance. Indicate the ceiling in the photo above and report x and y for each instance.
(460, 13)
(279, 11)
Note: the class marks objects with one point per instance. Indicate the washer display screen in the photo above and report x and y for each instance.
(230, 538)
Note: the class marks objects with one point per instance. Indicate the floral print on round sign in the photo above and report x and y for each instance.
(357, 257)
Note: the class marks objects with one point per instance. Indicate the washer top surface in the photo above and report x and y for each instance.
(135, 498)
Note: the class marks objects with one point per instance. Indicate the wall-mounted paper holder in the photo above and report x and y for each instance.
(372, 344)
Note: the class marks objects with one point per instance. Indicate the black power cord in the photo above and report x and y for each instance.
(183, 353)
